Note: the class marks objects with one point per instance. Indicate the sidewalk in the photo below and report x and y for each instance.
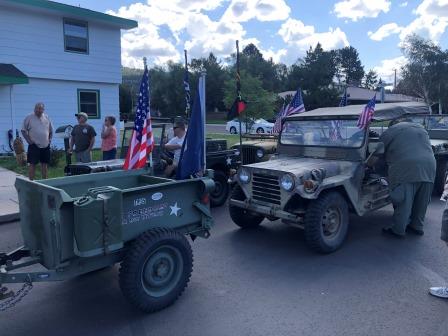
(9, 204)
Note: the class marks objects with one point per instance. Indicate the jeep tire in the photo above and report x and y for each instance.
(156, 269)
(243, 218)
(219, 195)
(326, 222)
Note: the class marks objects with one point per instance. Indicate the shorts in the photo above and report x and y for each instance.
(110, 154)
(36, 154)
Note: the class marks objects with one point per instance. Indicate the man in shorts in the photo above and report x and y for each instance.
(82, 139)
(38, 131)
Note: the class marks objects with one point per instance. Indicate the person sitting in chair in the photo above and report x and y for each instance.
(175, 146)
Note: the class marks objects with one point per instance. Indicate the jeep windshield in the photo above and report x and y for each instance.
(323, 133)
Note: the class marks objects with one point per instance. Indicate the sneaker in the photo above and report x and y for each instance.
(410, 229)
(441, 292)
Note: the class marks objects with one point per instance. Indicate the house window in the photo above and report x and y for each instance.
(89, 102)
(76, 36)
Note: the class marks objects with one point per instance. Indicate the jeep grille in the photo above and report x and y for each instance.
(266, 188)
(249, 155)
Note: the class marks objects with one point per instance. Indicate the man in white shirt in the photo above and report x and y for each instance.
(175, 146)
(38, 131)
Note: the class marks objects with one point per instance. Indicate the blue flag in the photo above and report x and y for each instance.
(191, 161)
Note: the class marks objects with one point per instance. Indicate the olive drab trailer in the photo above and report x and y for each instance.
(78, 224)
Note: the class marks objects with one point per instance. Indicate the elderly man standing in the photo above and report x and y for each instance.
(411, 173)
(83, 139)
(38, 131)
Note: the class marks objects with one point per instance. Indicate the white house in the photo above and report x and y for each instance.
(67, 57)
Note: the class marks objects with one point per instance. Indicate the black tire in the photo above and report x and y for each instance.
(439, 182)
(156, 250)
(233, 130)
(243, 218)
(219, 195)
(320, 234)
(260, 130)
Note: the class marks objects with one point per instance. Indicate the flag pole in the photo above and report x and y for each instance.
(238, 93)
(186, 84)
(202, 95)
(149, 111)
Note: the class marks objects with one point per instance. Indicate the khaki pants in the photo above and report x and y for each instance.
(410, 201)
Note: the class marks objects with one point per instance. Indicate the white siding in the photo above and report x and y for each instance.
(34, 42)
(61, 104)
(5, 118)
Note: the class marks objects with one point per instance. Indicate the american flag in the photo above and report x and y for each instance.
(367, 113)
(335, 132)
(296, 106)
(142, 141)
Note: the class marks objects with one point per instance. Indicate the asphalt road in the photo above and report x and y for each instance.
(262, 282)
(216, 128)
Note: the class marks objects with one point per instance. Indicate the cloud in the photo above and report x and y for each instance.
(384, 31)
(261, 10)
(387, 67)
(403, 4)
(358, 9)
(431, 21)
(300, 38)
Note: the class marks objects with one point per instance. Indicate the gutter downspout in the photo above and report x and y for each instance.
(11, 107)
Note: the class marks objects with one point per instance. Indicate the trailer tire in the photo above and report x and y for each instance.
(156, 269)
(219, 195)
(326, 222)
(245, 219)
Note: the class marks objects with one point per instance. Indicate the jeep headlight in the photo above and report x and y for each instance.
(244, 175)
(287, 182)
(260, 153)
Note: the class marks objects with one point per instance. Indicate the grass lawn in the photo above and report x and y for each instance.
(9, 162)
(58, 171)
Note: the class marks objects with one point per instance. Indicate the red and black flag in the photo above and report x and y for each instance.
(239, 105)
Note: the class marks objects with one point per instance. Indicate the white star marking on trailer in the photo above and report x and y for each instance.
(174, 209)
(229, 161)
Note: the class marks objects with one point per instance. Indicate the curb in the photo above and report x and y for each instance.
(9, 218)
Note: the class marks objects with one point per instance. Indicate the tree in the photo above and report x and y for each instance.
(260, 103)
(314, 75)
(371, 80)
(426, 73)
(216, 76)
(349, 68)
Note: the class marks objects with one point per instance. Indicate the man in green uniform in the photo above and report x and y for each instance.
(411, 173)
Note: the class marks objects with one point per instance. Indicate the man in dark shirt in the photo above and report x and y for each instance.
(82, 139)
(411, 173)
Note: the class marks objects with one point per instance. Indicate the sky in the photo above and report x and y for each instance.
(281, 29)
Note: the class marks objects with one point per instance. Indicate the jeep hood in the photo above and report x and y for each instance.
(302, 166)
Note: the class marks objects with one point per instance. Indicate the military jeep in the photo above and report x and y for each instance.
(319, 174)
(257, 147)
(437, 127)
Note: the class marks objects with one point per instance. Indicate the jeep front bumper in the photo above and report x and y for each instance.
(269, 211)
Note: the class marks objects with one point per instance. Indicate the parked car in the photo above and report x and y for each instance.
(316, 179)
(259, 126)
